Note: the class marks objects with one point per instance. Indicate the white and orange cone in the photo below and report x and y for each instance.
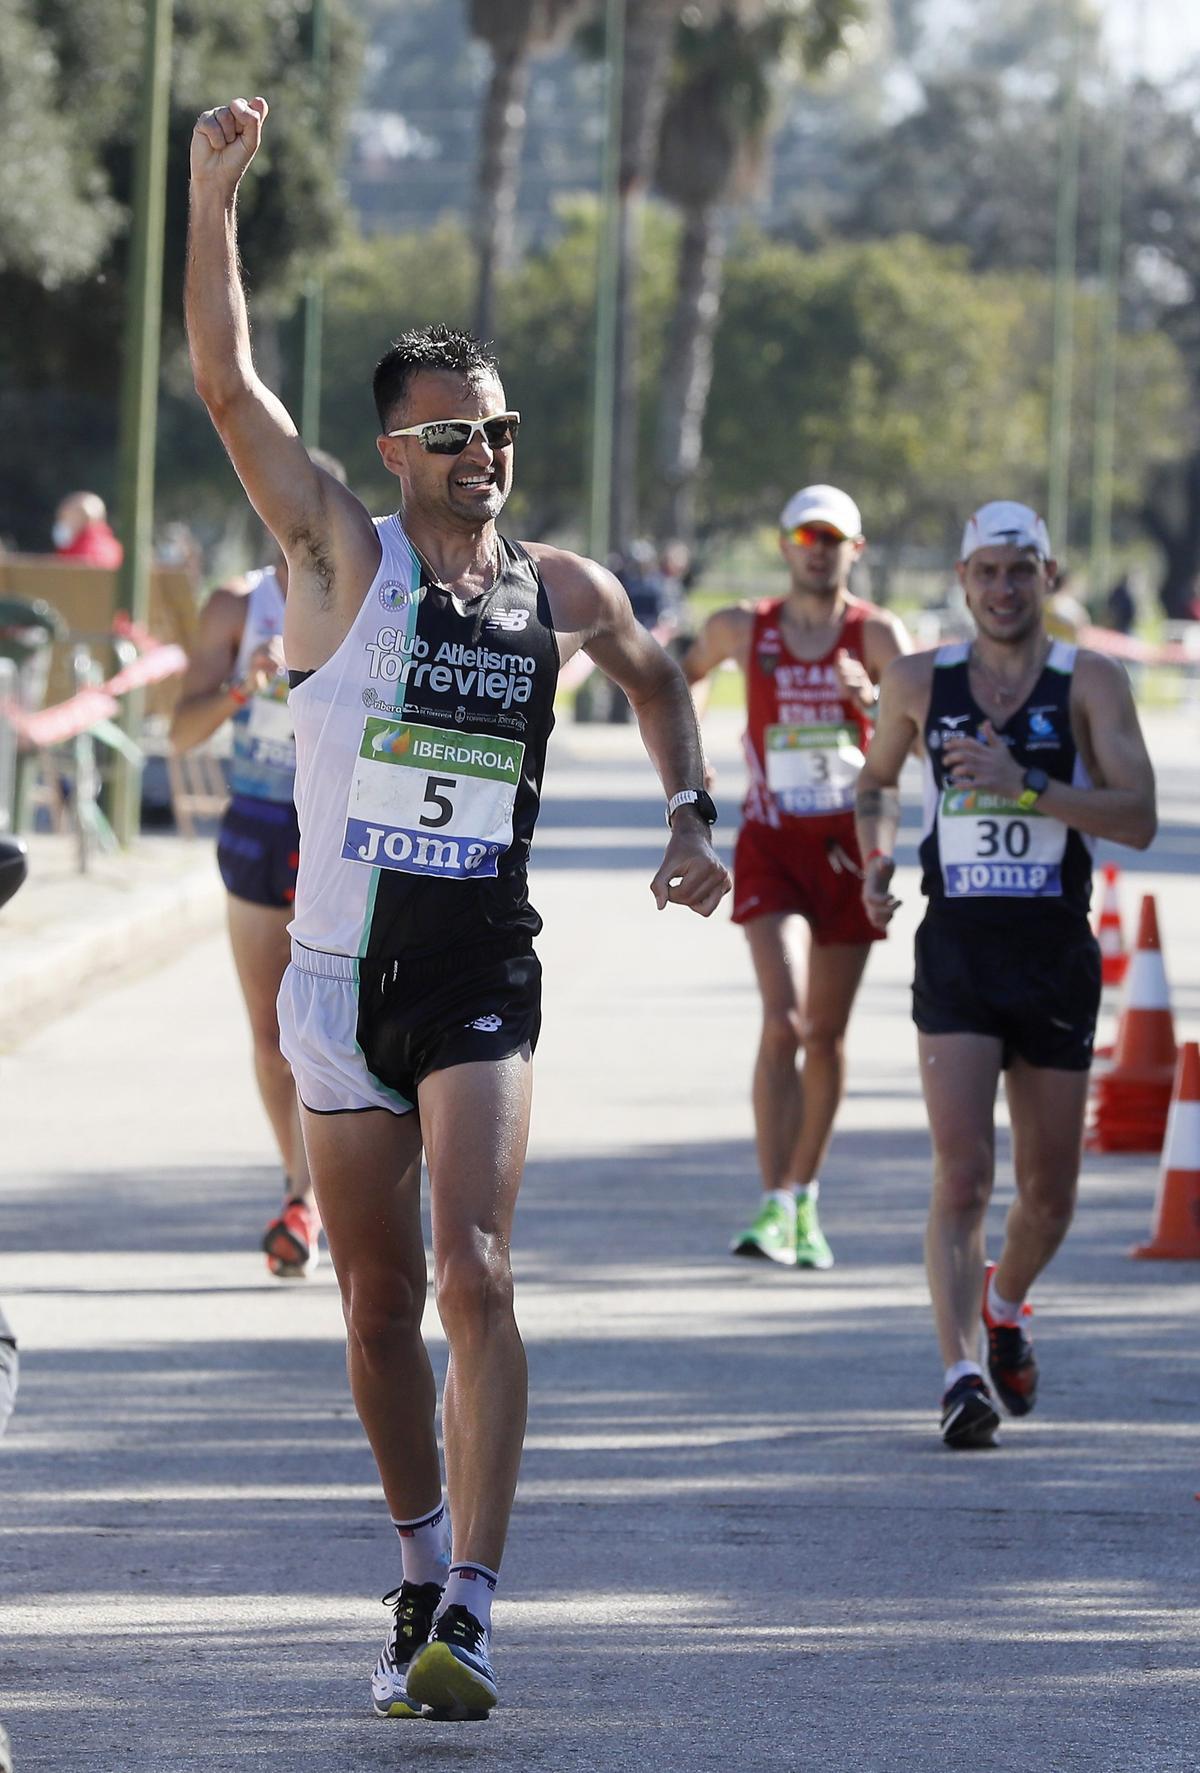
(1175, 1234)
(1114, 957)
(1132, 1093)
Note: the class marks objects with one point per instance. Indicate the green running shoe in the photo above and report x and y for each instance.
(771, 1235)
(812, 1251)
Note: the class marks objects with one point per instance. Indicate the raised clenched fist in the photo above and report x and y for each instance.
(225, 141)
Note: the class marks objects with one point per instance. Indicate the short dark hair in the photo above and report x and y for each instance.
(439, 348)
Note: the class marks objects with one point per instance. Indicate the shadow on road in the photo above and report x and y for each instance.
(738, 1542)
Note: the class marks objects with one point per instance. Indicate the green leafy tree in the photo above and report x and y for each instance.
(893, 369)
(64, 303)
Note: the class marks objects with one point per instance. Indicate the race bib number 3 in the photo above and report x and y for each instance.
(992, 848)
(812, 769)
(431, 800)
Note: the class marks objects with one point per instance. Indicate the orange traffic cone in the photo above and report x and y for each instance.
(1132, 1093)
(1113, 956)
(1176, 1229)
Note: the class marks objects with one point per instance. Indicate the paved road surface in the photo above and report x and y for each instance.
(738, 1542)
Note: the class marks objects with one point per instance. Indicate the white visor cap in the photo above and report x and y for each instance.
(1005, 524)
(823, 504)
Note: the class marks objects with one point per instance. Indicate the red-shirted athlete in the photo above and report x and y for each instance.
(811, 661)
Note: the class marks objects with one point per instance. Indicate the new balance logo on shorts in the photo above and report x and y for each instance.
(508, 621)
(485, 1024)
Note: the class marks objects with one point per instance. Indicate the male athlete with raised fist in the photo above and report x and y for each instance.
(423, 651)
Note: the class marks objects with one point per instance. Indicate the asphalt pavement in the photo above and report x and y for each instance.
(738, 1541)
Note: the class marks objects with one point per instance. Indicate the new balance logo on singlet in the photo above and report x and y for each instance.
(508, 621)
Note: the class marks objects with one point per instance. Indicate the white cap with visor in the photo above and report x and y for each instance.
(823, 504)
(1005, 524)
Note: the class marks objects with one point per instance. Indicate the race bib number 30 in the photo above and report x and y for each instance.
(812, 769)
(431, 800)
(992, 848)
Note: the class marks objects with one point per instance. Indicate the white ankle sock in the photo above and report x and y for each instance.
(471, 1586)
(425, 1547)
(806, 1190)
(961, 1370)
(1000, 1310)
(784, 1196)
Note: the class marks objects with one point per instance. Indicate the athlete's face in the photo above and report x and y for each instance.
(819, 558)
(470, 488)
(1006, 590)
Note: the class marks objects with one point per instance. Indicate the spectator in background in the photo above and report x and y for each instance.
(81, 532)
(1120, 607)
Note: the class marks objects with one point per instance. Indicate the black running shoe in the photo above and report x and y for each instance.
(413, 1606)
(452, 1674)
(1012, 1363)
(969, 1416)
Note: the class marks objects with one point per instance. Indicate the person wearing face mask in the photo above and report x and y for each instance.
(1031, 750)
(81, 532)
(811, 661)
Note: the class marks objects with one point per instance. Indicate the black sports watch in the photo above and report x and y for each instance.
(1035, 785)
(698, 799)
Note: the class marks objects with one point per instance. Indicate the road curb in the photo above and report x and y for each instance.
(59, 972)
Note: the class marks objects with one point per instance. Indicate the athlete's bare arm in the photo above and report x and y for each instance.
(1121, 803)
(328, 538)
(591, 610)
(903, 702)
(884, 638)
(204, 700)
(725, 635)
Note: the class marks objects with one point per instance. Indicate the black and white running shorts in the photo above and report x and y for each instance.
(362, 1034)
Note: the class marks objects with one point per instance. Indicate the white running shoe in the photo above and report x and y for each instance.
(412, 1607)
(452, 1673)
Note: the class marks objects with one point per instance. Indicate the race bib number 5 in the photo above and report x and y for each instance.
(992, 848)
(431, 800)
(812, 769)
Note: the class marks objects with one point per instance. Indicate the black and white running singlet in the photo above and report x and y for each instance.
(986, 857)
(420, 751)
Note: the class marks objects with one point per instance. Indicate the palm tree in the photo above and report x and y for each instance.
(650, 27)
(711, 150)
(514, 31)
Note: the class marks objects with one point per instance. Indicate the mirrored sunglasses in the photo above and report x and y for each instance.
(449, 437)
(806, 534)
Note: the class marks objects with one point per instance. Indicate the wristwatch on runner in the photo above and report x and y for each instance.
(1036, 783)
(699, 801)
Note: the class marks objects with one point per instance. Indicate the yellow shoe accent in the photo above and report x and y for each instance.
(437, 1678)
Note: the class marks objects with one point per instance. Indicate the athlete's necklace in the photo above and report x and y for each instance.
(488, 572)
(1002, 690)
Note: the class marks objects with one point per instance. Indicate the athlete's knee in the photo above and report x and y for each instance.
(474, 1286)
(1049, 1202)
(963, 1182)
(383, 1312)
(824, 1040)
(782, 1033)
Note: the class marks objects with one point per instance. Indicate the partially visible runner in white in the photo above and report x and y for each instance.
(236, 673)
(1032, 750)
(424, 651)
